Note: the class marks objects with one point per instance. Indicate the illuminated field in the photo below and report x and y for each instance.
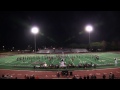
(106, 60)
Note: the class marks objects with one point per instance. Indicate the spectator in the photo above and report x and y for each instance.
(94, 77)
(104, 76)
(66, 74)
(25, 76)
(71, 73)
(58, 74)
(113, 76)
(74, 77)
(80, 77)
(32, 77)
(110, 75)
(87, 76)
(84, 77)
(3, 76)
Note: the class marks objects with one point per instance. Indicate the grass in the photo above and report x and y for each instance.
(10, 62)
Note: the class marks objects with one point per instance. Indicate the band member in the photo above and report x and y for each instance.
(115, 61)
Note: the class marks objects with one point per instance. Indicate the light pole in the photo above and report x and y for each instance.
(89, 29)
(13, 48)
(35, 30)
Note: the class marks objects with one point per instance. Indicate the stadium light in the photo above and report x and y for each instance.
(3, 47)
(35, 30)
(89, 29)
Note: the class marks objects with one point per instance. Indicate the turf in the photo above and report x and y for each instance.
(106, 60)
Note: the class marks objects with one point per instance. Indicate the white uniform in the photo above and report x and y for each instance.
(62, 64)
(116, 62)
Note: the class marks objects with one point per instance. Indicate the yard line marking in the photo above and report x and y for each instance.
(71, 60)
(107, 57)
(91, 61)
(53, 61)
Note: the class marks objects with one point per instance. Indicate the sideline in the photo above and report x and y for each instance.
(55, 71)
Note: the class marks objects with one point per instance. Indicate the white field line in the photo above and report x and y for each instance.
(53, 61)
(71, 60)
(108, 57)
(91, 61)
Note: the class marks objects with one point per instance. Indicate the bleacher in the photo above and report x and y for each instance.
(79, 50)
(48, 51)
(58, 51)
(66, 50)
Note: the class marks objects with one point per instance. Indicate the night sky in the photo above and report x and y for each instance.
(57, 28)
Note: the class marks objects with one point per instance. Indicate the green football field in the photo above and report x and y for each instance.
(106, 60)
